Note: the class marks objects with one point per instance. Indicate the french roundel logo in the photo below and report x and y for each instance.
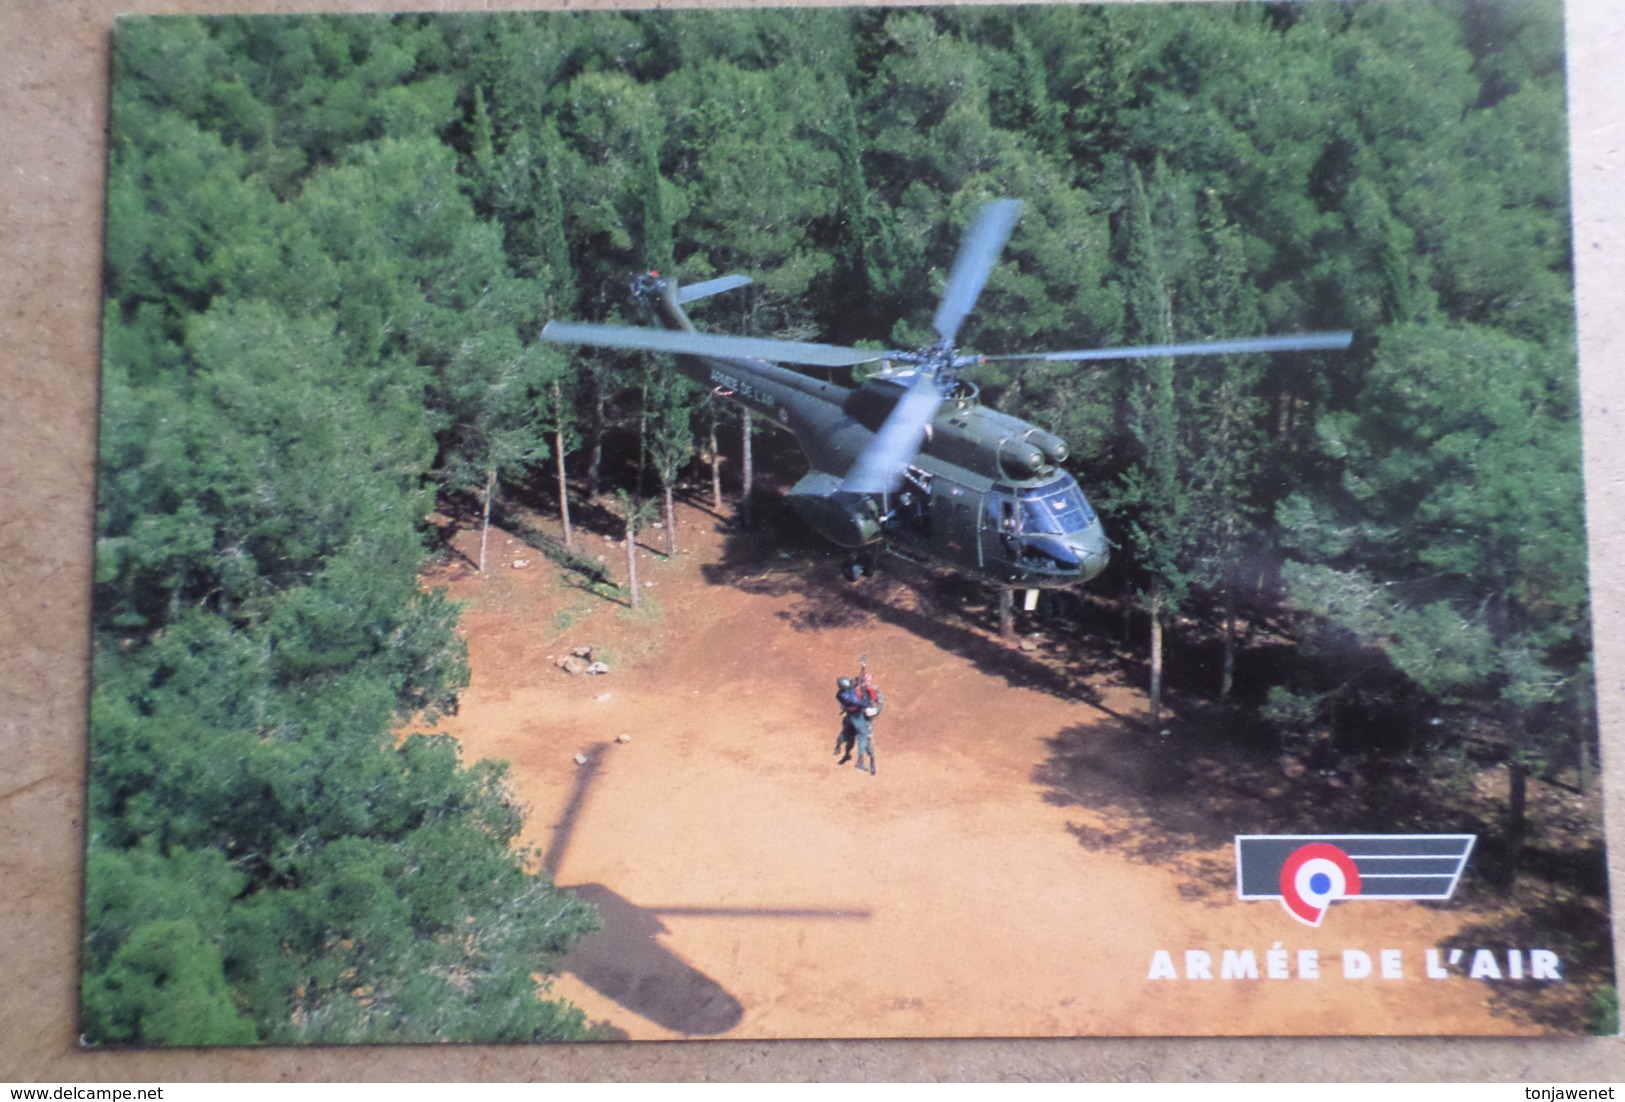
(1314, 877)
(1310, 872)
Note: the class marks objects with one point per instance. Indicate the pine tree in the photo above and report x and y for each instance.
(1152, 484)
(1220, 400)
(671, 441)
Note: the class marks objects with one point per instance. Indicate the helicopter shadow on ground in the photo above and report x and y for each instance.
(625, 960)
(777, 557)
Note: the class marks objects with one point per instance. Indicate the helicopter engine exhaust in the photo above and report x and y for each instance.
(1021, 459)
(1053, 447)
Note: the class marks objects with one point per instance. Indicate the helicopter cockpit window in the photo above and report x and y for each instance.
(1056, 509)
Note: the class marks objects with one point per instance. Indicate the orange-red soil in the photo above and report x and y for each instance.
(752, 888)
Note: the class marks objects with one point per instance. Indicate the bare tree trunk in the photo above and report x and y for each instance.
(1227, 678)
(1007, 617)
(671, 523)
(1586, 768)
(643, 435)
(1584, 765)
(632, 556)
(595, 437)
(1517, 818)
(716, 466)
(1155, 703)
(564, 496)
(1517, 795)
(1294, 402)
(485, 517)
(558, 450)
(747, 474)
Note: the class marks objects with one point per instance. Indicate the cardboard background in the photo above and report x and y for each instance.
(53, 103)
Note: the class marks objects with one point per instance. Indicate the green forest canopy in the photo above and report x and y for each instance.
(332, 241)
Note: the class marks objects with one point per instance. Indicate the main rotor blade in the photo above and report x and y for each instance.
(879, 467)
(1295, 342)
(977, 254)
(696, 291)
(707, 344)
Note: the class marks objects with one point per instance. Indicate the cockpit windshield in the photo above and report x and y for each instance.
(1057, 508)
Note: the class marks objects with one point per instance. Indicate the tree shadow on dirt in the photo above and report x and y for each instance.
(779, 557)
(1177, 797)
(1178, 800)
(585, 573)
(518, 524)
(698, 498)
(1546, 916)
(1557, 901)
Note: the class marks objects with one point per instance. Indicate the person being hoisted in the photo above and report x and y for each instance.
(861, 701)
(873, 701)
(846, 695)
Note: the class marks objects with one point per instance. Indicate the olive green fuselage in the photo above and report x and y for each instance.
(985, 495)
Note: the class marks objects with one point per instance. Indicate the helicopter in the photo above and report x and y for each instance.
(908, 460)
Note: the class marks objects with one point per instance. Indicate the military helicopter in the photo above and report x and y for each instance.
(907, 459)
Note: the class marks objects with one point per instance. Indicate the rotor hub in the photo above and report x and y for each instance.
(646, 287)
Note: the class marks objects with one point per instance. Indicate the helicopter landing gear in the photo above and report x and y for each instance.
(859, 565)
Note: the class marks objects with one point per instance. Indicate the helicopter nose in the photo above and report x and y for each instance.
(1092, 551)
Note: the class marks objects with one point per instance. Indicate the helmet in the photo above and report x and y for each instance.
(843, 682)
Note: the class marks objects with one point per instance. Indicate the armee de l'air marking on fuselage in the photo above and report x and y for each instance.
(908, 458)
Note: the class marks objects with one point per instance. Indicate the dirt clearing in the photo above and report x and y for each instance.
(753, 888)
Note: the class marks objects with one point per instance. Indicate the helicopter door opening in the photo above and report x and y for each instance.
(1003, 523)
(908, 511)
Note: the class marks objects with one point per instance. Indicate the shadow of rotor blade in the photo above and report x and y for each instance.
(758, 912)
(565, 827)
(625, 962)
